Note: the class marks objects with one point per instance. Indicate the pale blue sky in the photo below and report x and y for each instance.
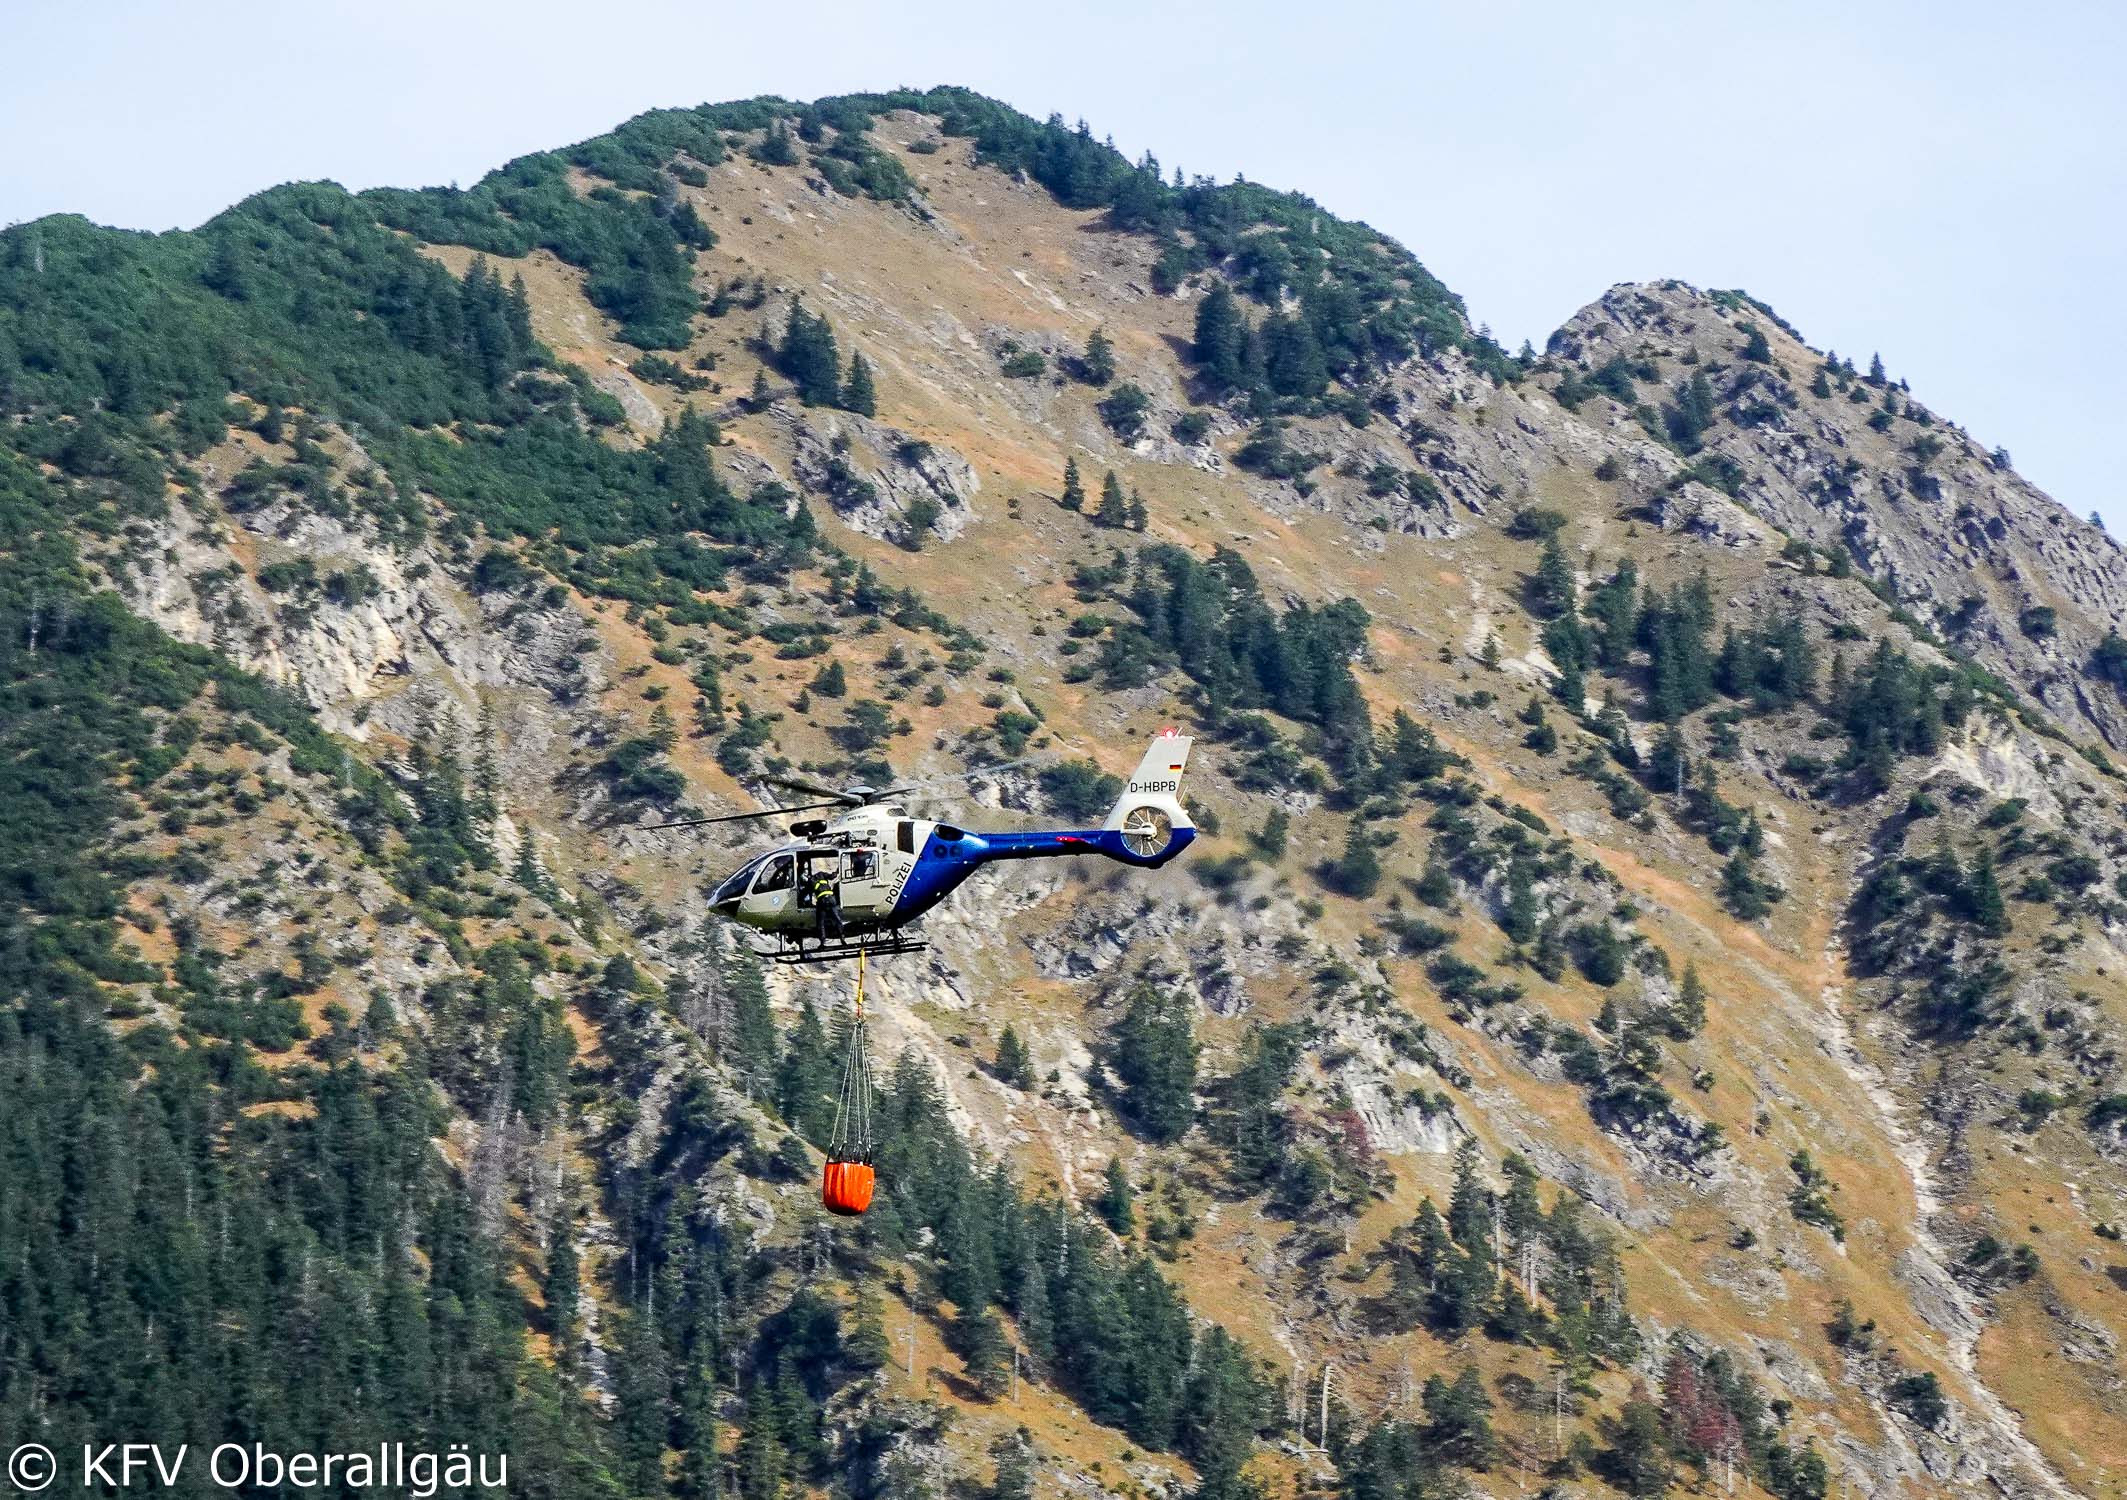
(1945, 183)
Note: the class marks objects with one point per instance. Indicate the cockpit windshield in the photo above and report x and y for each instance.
(734, 885)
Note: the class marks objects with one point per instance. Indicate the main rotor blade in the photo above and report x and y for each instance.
(766, 812)
(931, 781)
(807, 784)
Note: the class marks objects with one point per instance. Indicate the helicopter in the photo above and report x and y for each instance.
(884, 868)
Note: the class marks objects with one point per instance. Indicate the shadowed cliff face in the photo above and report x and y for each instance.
(1692, 814)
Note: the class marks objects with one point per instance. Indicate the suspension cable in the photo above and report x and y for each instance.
(851, 1138)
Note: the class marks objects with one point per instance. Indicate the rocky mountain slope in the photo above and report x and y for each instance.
(1646, 1010)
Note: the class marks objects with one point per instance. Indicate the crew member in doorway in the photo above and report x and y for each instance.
(826, 910)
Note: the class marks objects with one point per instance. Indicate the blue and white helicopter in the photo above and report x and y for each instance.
(849, 884)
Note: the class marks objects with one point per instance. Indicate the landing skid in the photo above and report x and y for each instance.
(827, 953)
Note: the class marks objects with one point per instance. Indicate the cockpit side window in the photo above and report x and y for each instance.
(776, 877)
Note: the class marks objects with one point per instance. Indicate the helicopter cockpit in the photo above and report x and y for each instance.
(784, 879)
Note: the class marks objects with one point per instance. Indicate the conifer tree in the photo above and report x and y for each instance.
(749, 1040)
(1982, 897)
(1553, 586)
(776, 148)
(1222, 335)
(561, 1288)
(527, 872)
(1638, 1460)
(857, 393)
(1014, 1456)
(1013, 1064)
(1292, 357)
(1356, 872)
(1114, 1202)
(1114, 511)
(807, 355)
(1153, 1050)
(642, 1394)
(1139, 520)
(1098, 366)
(1669, 766)
(761, 1459)
(984, 1350)
(1074, 491)
(808, 1077)
(866, 1345)
(1458, 1426)
(1687, 1017)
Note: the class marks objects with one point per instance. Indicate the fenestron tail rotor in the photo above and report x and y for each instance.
(1146, 831)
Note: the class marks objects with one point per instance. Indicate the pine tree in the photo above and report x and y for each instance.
(1153, 1050)
(1222, 336)
(1356, 872)
(1013, 1064)
(1114, 511)
(1014, 1456)
(1687, 1017)
(1553, 587)
(807, 355)
(1745, 895)
(700, 1460)
(1292, 357)
(1098, 366)
(642, 1395)
(865, 1345)
(759, 397)
(1223, 1405)
(1139, 520)
(1269, 841)
(1458, 1428)
(809, 1077)
(776, 148)
(527, 872)
(1520, 1207)
(749, 1042)
(1982, 900)
(1470, 1202)
(1638, 1460)
(857, 393)
(984, 1351)
(561, 1288)
(1114, 1202)
(1669, 766)
(1074, 491)
(761, 1459)
(1692, 413)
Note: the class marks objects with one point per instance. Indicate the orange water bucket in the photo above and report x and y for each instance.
(846, 1187)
